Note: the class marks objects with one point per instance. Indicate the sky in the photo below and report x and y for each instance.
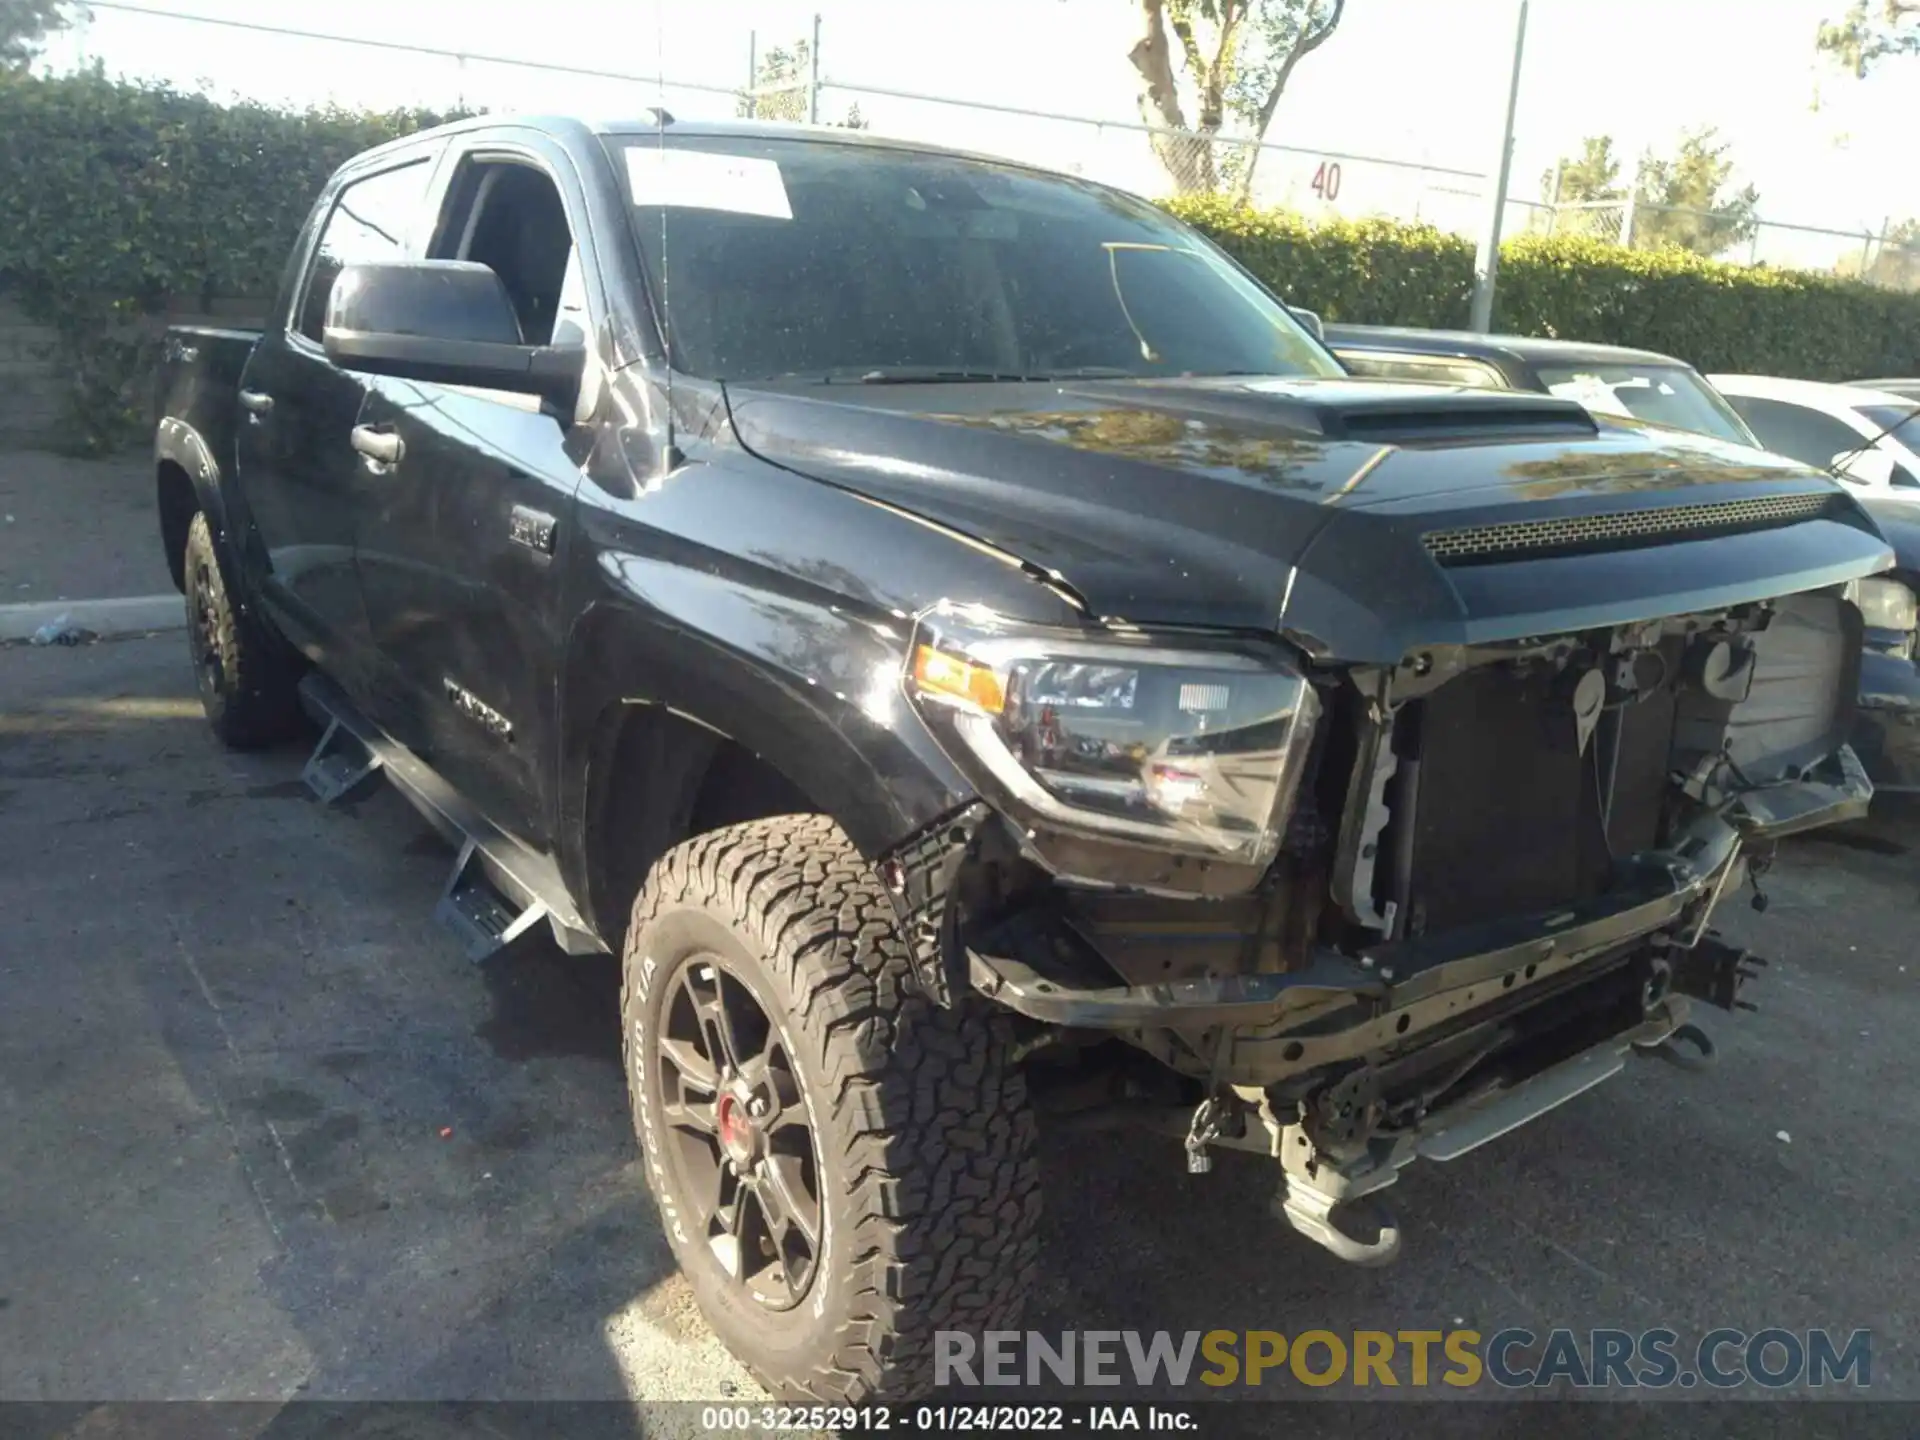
(1416, 81)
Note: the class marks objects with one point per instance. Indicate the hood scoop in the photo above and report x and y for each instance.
(1374, 412)
(1460, 415)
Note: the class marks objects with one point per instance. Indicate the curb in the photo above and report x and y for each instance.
(132, 615)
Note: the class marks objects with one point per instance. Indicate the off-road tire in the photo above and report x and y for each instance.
(246, 673)
(927, 1156)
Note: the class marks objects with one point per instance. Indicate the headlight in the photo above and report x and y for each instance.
(1887, 605)
(1185, 748)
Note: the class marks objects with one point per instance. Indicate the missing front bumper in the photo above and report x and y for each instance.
(1314, 1186)
(1340, 1007)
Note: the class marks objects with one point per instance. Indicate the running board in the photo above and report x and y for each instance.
(340, 765)
(500, 889)
(485, 920)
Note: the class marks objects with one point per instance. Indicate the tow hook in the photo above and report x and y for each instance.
(1688, 1047)
(1202, 1132)
(1309, 1209)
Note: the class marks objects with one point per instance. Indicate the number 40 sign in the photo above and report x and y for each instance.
(1326, 180)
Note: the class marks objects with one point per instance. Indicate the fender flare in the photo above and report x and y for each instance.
(865, 759)
(177, 443)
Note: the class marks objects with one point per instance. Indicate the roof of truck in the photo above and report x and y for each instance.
(648, 123)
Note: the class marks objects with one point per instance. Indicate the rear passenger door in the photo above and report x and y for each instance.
(462, 538)
(297, 468)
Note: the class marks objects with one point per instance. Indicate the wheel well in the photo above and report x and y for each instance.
(178, 506)
(654, 779)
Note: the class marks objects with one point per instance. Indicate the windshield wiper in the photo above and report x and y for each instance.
(1841, 462)
(929, 375)
(899, 375)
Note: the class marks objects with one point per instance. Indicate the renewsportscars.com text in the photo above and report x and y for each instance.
(1512, 1358)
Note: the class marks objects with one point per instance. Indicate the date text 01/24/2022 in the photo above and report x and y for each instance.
(1019, 1419)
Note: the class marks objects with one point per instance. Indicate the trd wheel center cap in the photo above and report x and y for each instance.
(739, 1136)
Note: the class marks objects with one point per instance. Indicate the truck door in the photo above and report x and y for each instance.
(296, 463)
(462, 534)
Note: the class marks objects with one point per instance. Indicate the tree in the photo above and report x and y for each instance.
(1681, 198)
(1592, 175)
(1688, 193)
(1894, 262)
(1868, 33)
(782, 77)
(1236, 57)
(25, 26)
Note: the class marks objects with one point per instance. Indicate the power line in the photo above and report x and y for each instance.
(395, 45)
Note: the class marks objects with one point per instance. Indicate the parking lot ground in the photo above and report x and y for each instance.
(78, 529)
(267, 1135)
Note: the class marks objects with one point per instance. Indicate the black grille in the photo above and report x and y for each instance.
(1514, 539)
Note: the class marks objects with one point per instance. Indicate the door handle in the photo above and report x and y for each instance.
(256, 402)
(382, 447)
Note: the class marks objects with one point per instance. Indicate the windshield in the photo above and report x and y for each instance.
(1896, 420)
(1659, 394)
(840, 262)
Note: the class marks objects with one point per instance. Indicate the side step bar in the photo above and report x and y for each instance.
(500, 889)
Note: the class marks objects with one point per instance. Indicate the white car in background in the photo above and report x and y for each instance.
(1868, 437)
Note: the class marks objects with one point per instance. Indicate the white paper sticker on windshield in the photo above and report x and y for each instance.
(1592, 392)
(698, 180)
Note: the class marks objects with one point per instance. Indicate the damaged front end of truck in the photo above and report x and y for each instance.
(1349, 912)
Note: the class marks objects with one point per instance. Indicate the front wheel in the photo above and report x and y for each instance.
(842, 1167)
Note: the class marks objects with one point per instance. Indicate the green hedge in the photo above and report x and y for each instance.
(1719, 317)
(123, 200)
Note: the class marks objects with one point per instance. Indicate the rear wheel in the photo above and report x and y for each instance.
(246, 673)
(842, 1166)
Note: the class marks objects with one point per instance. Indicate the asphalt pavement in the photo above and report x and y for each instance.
(267, 1136)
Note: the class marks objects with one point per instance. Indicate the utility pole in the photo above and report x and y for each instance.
(813, 80)
(1486, 263)
(753, 74)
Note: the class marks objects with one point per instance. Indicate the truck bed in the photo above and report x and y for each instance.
(197, 397)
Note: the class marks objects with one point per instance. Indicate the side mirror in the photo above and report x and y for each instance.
(445, 321)
(1872, 468)
(1311, 320)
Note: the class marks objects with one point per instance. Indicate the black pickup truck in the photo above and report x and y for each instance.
(975, 656)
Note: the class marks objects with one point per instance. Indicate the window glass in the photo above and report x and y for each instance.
(369, 223)
(1434, 369)
(1897, 419)
(1659, 394)
(510, 217)
(830, 261)
(1807, 435)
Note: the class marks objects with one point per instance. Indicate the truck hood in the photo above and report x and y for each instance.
(1332, 511)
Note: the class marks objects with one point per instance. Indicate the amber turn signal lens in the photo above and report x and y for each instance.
(937, 673)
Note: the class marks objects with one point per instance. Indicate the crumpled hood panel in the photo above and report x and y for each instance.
(1294, 505)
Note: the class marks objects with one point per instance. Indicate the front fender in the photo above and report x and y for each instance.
(807, 687)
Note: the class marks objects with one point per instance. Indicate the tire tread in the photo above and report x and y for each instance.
(940, 1212)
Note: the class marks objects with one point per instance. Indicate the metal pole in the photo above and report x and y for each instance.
(753, 74)
(813, 80)
(1486, 264)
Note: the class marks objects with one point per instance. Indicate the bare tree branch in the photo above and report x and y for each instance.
(1312, 37)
